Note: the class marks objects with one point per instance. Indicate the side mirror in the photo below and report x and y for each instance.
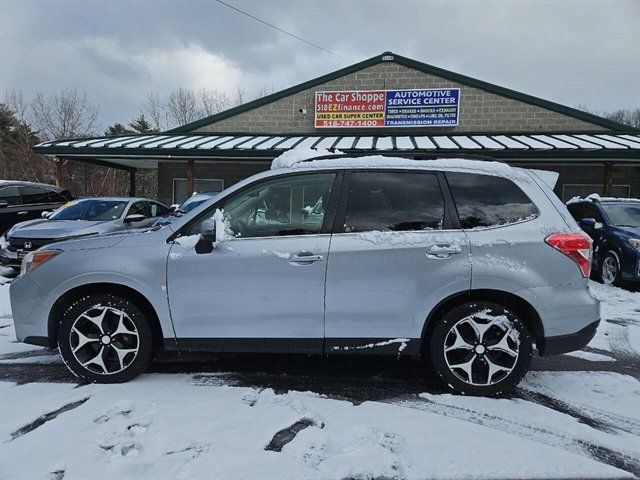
(207, 236)
(4, 203)
(587, 223)
(46, 214)
(174, 207)
(134, 217)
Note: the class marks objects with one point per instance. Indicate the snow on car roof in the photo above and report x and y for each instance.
(594, 197)
(303, 159)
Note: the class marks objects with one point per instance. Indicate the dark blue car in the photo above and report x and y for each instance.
(614, 226)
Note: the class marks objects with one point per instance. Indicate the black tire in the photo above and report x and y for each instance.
(612, 257)
(124, 369)
(457, 378)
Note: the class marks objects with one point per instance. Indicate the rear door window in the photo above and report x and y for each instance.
(32, 195)
(488, 201)
(397, 201)
(10, 195)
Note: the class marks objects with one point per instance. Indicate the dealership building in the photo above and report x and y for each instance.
(388, 104)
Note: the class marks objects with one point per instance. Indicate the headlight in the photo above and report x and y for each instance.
(635, 243)
(35, 259)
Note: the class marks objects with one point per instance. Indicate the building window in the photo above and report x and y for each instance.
(570, 190)
(209, 185)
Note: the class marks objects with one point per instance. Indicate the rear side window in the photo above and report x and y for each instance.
(10, 195)
(34, 195)
(398, 201)
(488, 201)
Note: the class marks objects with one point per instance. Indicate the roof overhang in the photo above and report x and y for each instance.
(146, 151)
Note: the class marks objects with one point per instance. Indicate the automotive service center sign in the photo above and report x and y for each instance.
(432, 107)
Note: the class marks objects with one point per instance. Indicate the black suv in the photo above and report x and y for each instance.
(20, 201)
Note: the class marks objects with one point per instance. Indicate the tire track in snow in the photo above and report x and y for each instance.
(530, 431)
(595, 418)
(42, 419)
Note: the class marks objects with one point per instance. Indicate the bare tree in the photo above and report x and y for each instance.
(65, 114)
(213, 101)
(154, 107)
(182, 107)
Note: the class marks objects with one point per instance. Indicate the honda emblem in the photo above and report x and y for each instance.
(28, 245)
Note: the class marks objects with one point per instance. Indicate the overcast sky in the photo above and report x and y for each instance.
(572, 52)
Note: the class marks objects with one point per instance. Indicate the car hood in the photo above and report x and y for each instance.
(43, 228)
(634, 231)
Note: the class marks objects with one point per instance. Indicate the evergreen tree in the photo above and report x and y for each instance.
(140, 125)
(117, 129)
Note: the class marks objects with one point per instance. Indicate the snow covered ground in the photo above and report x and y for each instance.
(260, 421)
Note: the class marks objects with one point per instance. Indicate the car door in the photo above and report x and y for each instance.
(139, 208)
(262, 290)
(35, 200)
(395, 254)
(9, 208)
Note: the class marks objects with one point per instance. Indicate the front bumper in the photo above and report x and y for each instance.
(29, 310)
(569, 343)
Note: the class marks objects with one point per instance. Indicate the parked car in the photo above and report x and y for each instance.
(614, 226)
(189, 204)
(464, 263)
(78, 218)
(20, 201)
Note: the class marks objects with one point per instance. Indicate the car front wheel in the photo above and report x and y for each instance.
(610, 269)
(105, 338)
(480, 348)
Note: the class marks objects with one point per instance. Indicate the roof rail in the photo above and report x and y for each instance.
(408, 156)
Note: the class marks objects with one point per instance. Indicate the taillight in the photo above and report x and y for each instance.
(576, 246)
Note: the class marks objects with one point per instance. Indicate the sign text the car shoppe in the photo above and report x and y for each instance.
(432, 107)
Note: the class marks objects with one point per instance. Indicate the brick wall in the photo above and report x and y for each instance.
(479, 110)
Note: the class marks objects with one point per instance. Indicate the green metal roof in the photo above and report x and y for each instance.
(416, 65)
(132, 151)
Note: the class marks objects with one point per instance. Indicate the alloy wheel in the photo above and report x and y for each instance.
(482, 348)
(104, 340)
(609, 270)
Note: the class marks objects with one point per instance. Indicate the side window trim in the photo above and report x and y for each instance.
(451, 218)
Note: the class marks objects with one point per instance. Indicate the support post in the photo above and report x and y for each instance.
(58, 171)
(608, 178)
(190, 165)
(132, 183)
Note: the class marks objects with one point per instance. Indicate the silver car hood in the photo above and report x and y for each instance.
(43, 228)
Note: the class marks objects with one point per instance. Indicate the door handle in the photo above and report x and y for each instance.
(443, 250)
(304, 257)
(24, 212)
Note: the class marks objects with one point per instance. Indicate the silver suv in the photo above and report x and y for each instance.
(466, 264)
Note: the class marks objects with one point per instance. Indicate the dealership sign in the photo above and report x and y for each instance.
(432, 107)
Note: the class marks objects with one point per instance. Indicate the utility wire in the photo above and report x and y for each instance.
(281, 30)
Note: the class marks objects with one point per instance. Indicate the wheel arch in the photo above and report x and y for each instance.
(124, 291)
(529, 315)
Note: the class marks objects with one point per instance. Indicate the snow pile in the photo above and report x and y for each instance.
(619, 329)
(223, 233)
(296, 155)
(401, 341)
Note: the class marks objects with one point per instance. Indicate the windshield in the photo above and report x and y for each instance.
(192, 203)
(623, 214)
(96, 210)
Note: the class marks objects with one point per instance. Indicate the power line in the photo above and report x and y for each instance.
(281, 30)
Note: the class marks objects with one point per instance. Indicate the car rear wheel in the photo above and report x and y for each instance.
(105, 338)
(610, 269)
(480, 348)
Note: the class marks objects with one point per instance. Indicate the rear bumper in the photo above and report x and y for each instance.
(569, 343)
